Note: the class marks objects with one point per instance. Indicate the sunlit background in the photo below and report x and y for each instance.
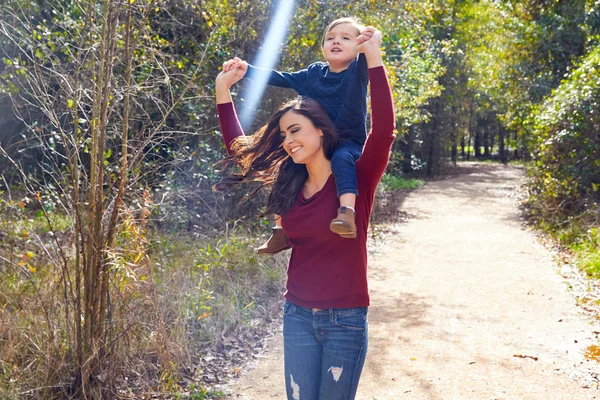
(266, 58)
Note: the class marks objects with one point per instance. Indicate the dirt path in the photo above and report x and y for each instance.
(465, 304)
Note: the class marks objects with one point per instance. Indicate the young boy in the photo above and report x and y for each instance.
(340, 86)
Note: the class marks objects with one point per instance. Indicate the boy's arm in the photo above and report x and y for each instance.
(293, 80)
(363, 69)
(290, 80)
(353, 113)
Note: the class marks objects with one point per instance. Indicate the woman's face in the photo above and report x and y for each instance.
(301, 139)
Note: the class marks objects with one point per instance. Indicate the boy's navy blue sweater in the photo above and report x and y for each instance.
(342, 94)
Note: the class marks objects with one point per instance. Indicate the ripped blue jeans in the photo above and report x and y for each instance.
(324, 351)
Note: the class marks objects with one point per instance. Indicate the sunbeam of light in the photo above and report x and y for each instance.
(266, 58)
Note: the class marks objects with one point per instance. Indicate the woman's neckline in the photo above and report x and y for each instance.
(311, 197)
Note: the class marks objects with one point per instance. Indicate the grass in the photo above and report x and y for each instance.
(18, 221)
(394, 182)
(581, 240)
(223, 282)
(199, 393)
(196, 287)
(587, 252)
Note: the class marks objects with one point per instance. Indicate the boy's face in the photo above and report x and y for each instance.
(340, 47)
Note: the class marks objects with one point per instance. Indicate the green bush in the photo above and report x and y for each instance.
(565, 174)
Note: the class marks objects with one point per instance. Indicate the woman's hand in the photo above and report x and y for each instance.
(224, 81)
(228, 77)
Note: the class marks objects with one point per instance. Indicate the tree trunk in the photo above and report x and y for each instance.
(487, 134)
(408, 150)
(501, 148)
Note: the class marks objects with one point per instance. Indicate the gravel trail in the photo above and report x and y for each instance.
(465, 304)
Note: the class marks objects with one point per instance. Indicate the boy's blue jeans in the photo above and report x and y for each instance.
(343, 165)
(324, 351)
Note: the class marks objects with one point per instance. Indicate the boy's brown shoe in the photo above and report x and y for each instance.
(344, 224)
(276, 243)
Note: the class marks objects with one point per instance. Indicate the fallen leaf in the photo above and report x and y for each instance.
(206, 314)
(522, 356)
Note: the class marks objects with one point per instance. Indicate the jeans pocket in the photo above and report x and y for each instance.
(287, 308)
(354, 321)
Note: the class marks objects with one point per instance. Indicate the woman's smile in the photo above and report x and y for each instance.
(294, 149)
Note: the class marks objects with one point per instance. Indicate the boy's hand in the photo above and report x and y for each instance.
(365, 35)
(236, 63)
(369, 40)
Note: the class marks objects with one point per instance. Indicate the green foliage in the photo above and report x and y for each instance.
(586, 249)
(582, 242)
(200, 287)
(481, 75)
(199, 393)
(393, 182)
(230, 279)
(220, 281)
(566, 170)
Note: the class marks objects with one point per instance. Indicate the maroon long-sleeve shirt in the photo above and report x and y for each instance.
(326, 270)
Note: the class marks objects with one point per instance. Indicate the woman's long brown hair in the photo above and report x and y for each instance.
(261, 157)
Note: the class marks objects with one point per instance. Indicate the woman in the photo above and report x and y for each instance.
(325, 313)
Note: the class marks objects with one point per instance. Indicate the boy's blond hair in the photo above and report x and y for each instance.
(345, 20)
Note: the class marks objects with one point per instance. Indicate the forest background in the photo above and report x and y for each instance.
(120, 267)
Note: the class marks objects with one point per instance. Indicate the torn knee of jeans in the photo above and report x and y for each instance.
(336, 372)
(295, 388)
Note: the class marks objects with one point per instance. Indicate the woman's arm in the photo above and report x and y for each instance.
(371, 165)
(225, 80)
(230, 124)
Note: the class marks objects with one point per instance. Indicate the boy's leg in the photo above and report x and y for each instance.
(278, 240)
(343, 164)
(348, 200)
(302, 353)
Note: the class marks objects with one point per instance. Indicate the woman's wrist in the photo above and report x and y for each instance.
(222, 92)
(221, 85)
(374, 58)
